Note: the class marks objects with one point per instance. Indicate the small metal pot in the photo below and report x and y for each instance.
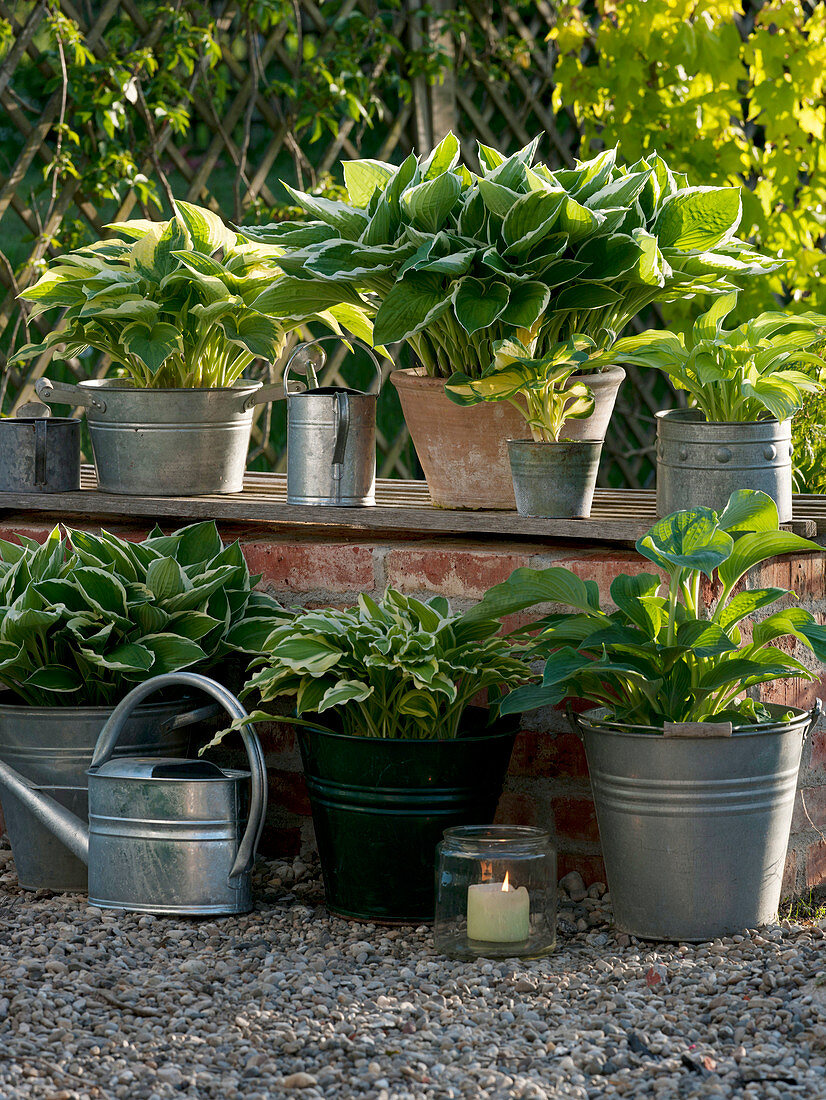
(39, 454)
(556, 480)
(701, 463)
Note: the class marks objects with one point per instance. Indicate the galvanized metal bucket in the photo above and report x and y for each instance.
(331, 439)
(554, 479)
(39, 454)
(176, 442)
(694, 830)
(700, 464)
(52, 747)
(168, 836)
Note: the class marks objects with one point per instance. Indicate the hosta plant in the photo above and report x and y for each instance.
(396, 667)
(539, 389)
(181, 303)
(667, 654)
(746, 373)
(84, 617)
(454, 261)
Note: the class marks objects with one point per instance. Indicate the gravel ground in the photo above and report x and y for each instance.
(287, 1001)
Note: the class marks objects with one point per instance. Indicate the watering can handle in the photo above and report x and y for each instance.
(59, 393)
(258, 773)
(321, 339)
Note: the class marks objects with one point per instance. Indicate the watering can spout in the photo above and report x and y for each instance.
(68, 828)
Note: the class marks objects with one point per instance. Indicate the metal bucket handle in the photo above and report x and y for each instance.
(320, 340)
(258, 773)
(62, 393)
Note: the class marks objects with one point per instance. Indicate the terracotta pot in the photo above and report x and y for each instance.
(464, 451)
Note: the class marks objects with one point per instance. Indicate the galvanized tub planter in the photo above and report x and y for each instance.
(52, 748)
(39, 454)
(380, 806)
(331, 437)
(694, 829)
(554, 479)
(701, 463)
(169, 443)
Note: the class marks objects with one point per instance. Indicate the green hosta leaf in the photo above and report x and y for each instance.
(101, 590)
(149, 618)
(134, 228)
(345, 691)
(363, 178)
(129, 658)
(610, 257)
(526, 304)
(578, 221)
(193, 625)
(745, 672)
(344, 260)
(429, 203)
(419, 704)
(58, 678)
(562, 664)
(631, 595)
(165, 579)
(412, 304)
(444, 157)
(752, 549)
(289, 234)
(200, 542)
(129, 309)
(531, 697)
(207, 230)
(20, 626)
(152, 344)
(704, 639)
(530, 219)
(477, 304)
(315, 656)
(585, 296)
(746, 603)
(258, 334)
(528, 587)
(687, 540)
(497, 198)
(708, 325)
(698, 218)
(472, 217)
(297, 299)
(171, 652)
(489, 158)
(620, 192)
(152, 255)
(250, 636)
(349, 222)
(749, 510)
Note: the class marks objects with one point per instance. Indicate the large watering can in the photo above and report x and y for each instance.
(331, 435)
(164, 834)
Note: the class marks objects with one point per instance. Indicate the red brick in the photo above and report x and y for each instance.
(287, 790)
(816, 865)
(575, 818)
(462, 573)
(519, 808)
(276, 738)
(809, 810)
(543, 754)
(789, 887)
(590, 866)
(308, 566)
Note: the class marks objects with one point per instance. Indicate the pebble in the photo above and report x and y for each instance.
(102, 1006)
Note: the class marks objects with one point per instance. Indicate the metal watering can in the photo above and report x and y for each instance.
(331, 435)
(164, 834)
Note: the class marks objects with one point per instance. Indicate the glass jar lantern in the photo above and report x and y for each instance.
(495, 892)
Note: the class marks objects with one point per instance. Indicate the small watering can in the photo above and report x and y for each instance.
(39, 453)
(331, 436)
(164, 834)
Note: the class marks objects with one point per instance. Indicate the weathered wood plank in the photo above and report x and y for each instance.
(618, 515)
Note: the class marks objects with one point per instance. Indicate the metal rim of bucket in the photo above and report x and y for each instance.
(597, 720)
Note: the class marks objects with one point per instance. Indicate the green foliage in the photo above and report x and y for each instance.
(393, 668)
(455, 262)
(663, 656)
(84, 618)
(540, 389)
(731, 108)
(809, 442)
(742, 374)
(165, 308)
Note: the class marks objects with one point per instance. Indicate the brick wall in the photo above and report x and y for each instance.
(548, 780)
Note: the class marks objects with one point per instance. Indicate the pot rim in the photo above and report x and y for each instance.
(120, 385)
(19, 709)
(6, 420)
(406, 742)
(557, 442)
(685, 416)
(402, 375)
(594, 720)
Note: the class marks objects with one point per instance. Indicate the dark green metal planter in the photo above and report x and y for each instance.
(380, 808)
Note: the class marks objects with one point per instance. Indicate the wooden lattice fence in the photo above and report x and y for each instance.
(501, 95)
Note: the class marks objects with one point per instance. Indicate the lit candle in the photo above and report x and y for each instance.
(498, 913)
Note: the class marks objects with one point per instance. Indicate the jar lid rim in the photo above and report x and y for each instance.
(498, 834)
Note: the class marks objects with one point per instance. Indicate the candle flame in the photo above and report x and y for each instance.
(505, 884)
